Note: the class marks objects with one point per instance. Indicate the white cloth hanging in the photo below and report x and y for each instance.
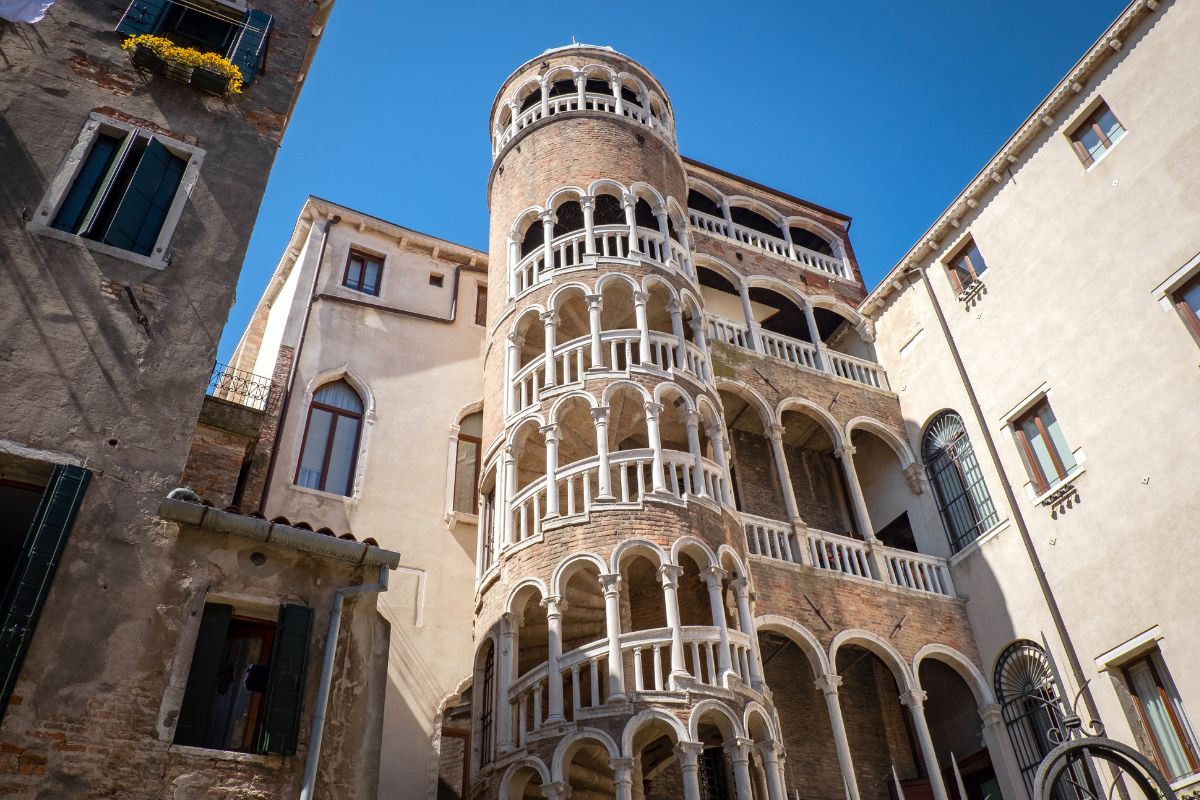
(24, 10)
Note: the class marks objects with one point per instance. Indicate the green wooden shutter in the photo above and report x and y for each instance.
(251, 43)
(143, 16)
(192, 727)
(285, 685)
(87, 184)
(43, 548)
(143, 208)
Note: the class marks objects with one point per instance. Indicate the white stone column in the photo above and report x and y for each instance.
(665, 232)
(550, 326)
(580, 90)
(550, 432)
(556, 791)
(787, 237)
(645, 356)
(514, 258)
(716, 435)
(593, 301)
(513, 347)
(1008, 774)
(738, 749)
(588, 204)
(685, 244)
(689, 763)
(828, 684)
(669, 574)
(845, 455)
(741, 589)
(692, 418)
(611, 585)
(545, 88)
(712, 577)
(509, 624)
(622, 777)
(629, 202)
(554, 684)
(914, 699)
(511, 454)
(815, 333)
(701, 337)
(776, 782)
(480, 532)
(785, 474)
(547, 218)
(603, 476)
(513, 110)
(676, 312)
(652, 411)
(748, 312)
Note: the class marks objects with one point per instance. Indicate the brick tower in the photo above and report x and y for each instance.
(685, 442)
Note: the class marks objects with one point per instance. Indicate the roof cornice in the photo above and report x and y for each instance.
(995, 173)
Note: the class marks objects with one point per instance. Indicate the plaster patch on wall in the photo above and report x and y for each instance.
(912, 343)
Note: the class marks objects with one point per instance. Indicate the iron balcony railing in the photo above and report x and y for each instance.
(240, 386)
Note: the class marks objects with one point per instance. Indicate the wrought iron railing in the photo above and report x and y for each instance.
(240, 386)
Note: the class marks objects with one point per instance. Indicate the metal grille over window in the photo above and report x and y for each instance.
(963, 500)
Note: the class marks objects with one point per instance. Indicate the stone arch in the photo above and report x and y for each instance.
(757, 206)
(521, 592)
(707, 189)
(648, 193)
(528, 762)
(569, 744)
(637, 388)
(880, 647)
(821, 231)
(899, 446)
(523, 218)
(662, 390)
(967, 670)
(607, 186)
(559, 402)
(619, 277)
(721, 268)
(751, 396)
(813, 410)
(836, 306)
(693, 546)
(572, 564)
(801, 636)
(649, 715)
(637, 547)
(702, 708)
(756, 709)
(345, 373)
(727, 555)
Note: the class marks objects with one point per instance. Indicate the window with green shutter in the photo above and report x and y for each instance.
(31, 577)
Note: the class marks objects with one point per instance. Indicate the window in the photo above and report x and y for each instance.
(966, 266)
(962, 497)
(1043, 446)
(1096, 135)
(363, 272)
(1161, 711)
(436, 279)
(124, 190)
(246, 681)
(481, 305)
(328, 455)
(240, 37)
(1187, 303)
(487, 702)
(466, 464)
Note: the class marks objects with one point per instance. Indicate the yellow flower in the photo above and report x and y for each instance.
(189, 57)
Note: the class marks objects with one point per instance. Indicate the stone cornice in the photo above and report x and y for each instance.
(995, 173)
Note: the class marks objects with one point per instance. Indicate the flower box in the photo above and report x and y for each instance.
(206, 80)
(206, 72)
(145, 58)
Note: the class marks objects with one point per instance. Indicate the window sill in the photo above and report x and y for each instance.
(1104, 155)
(461, 517)
(275, 762)
(1189, 781)
(99, 247)
(977, 542)
(1061, 490)
(322, 493)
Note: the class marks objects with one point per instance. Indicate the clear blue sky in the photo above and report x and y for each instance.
(881, 110)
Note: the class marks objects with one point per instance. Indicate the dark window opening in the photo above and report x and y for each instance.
(20, 500)
(755, 222)
(534, 238)
(788, 318)
(714, 782)
(563, 87)
(363, 272)
(828, 322)
(487, 703)
(899, 534)
(671, 231)
(715, 280)
(203, 30)
(608, 211)
(436, 279)
(481, 305)
(802, 237)
(703, 203)
(644, 215)
(531, 100)
(594, 86)
(568, 218)
(243, 39)
(630, 96)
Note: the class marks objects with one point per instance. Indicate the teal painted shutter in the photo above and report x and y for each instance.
(43, 548)
(192, 727)
(87, 184)
(285, 685)
(143, 208)
(251, 43)
(143, 16)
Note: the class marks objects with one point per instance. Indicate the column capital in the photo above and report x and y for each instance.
(640, 298)
(587, 201)
(829, 683)
(550, 432)
(548, 217)
(555, 791)
(628, 200)
(847, 450)
(741, 587)
(516, 339)
(620, 763)
(738, 748)
(866, 329)
(769, 750)
(692, 417)
(713, 576)
(652, 408)
(509, 623)
(776, 432)
(914, 473)
(600, 415)
(548, 318)
(674, 306)
(696, 322)
(689, 753)
(553, 604)
(593, 301)
(991, 714)
(669, 574)
(914, 698)
(513, 451)
(610, 583)
(514, 237)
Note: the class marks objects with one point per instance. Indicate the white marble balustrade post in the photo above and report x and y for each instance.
(588, 204)
(652, 411)
(550, 327)
(603, 476)
(513, 347)
(514, 258)
(593, 301)
(611, 586)
(547, 218)
(554, 683)
(692, 418)
(629, 202)
(741, 590)
(550, 433)
(716, 435)
(545, 88)
(669, 575)
(676, 312)
(713, 578)
(643, 325)
(665, 232)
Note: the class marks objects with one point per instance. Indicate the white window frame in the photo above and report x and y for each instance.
(68, 171)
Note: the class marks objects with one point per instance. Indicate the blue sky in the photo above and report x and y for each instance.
(880, 110)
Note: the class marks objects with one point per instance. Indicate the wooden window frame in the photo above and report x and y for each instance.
(1181, 731)
(481, 304)
(315, 404)
(365, 256)
(1040, 479)
(478, 442)
(961, 254)
(437, 280)
(1091, 122)
(465, 735)
(1190, 318)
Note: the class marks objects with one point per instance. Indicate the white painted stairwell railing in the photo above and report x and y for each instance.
(612, 241)
(570, 102)
(775, 245)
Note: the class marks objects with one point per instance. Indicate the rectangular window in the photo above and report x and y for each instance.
(481, 305)
(1096, 135)
(1161, 712)
(123, 191)
(435, 279)
(363, 273)
(966, 266)
(245, 681)
(1187, 303)
(240, 36)
(466, 464)
(1043, 446)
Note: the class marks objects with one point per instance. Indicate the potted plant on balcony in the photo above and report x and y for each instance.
(208, 72)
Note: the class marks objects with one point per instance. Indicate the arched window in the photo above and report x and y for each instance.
(331, 436)
(1032, 708)
(466, 464)
(962, 496)
(487, 706)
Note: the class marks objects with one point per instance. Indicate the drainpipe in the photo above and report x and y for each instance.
(318, 721)
(287, 395)
(1060, 626)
